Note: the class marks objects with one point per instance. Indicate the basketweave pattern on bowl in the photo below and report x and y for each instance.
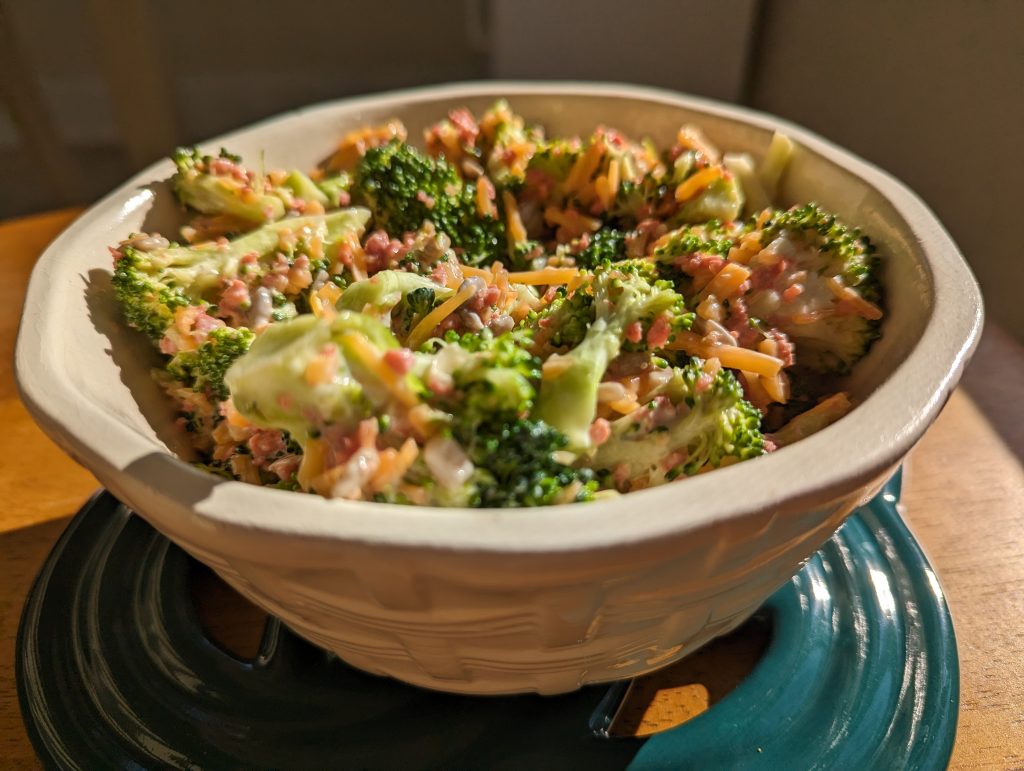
(459, 636)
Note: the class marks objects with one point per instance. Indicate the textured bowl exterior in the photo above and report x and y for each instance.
(506, 601)
(476, 623)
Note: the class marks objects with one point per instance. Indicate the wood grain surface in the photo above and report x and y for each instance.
(963, 496)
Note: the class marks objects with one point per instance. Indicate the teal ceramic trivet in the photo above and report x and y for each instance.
(115, 671)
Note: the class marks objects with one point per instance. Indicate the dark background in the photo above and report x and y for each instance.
(931, 91)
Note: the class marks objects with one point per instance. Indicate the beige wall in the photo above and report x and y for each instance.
(932, 92)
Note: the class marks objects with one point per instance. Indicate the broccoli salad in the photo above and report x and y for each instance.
(500, 319)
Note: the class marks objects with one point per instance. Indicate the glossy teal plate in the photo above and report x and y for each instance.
(115, 671)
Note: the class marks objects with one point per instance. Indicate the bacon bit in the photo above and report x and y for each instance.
(222, 167)
(701, 265)
(205, 324)
(674, 459)
(659, 332)
(635, 332)
(738, 323)
(465, 124)
(168, 346)
(695, 184)
(265, 444)
(285, 467)
(703, 383)
(783, 347)
(399, 359)
(425, 199)
(765, 275)
(600, 431)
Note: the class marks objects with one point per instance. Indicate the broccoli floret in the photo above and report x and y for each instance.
(148, 304)
(837, 315)
(404, 188)
(848, 249)
(691, 426)
(709, 238)
(624, 293)
(636, 201)
(398, 298)
(492, 375)
(203, 369)
(508, 143)
(514, 457)
(198, 187)
(555, 158)
(517, 466)
(607, 244)
(565, 320)
(151, 285)
(308, 373)
(303, 187)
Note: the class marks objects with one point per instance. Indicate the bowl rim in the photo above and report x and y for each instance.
(888, 422)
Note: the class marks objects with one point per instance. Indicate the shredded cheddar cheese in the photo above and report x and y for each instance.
(695, 184)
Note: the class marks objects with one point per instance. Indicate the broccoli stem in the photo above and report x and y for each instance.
(568, 394)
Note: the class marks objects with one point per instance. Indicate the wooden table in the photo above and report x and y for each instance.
(963, 495)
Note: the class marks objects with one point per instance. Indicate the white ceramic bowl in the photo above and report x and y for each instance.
(543, 599)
